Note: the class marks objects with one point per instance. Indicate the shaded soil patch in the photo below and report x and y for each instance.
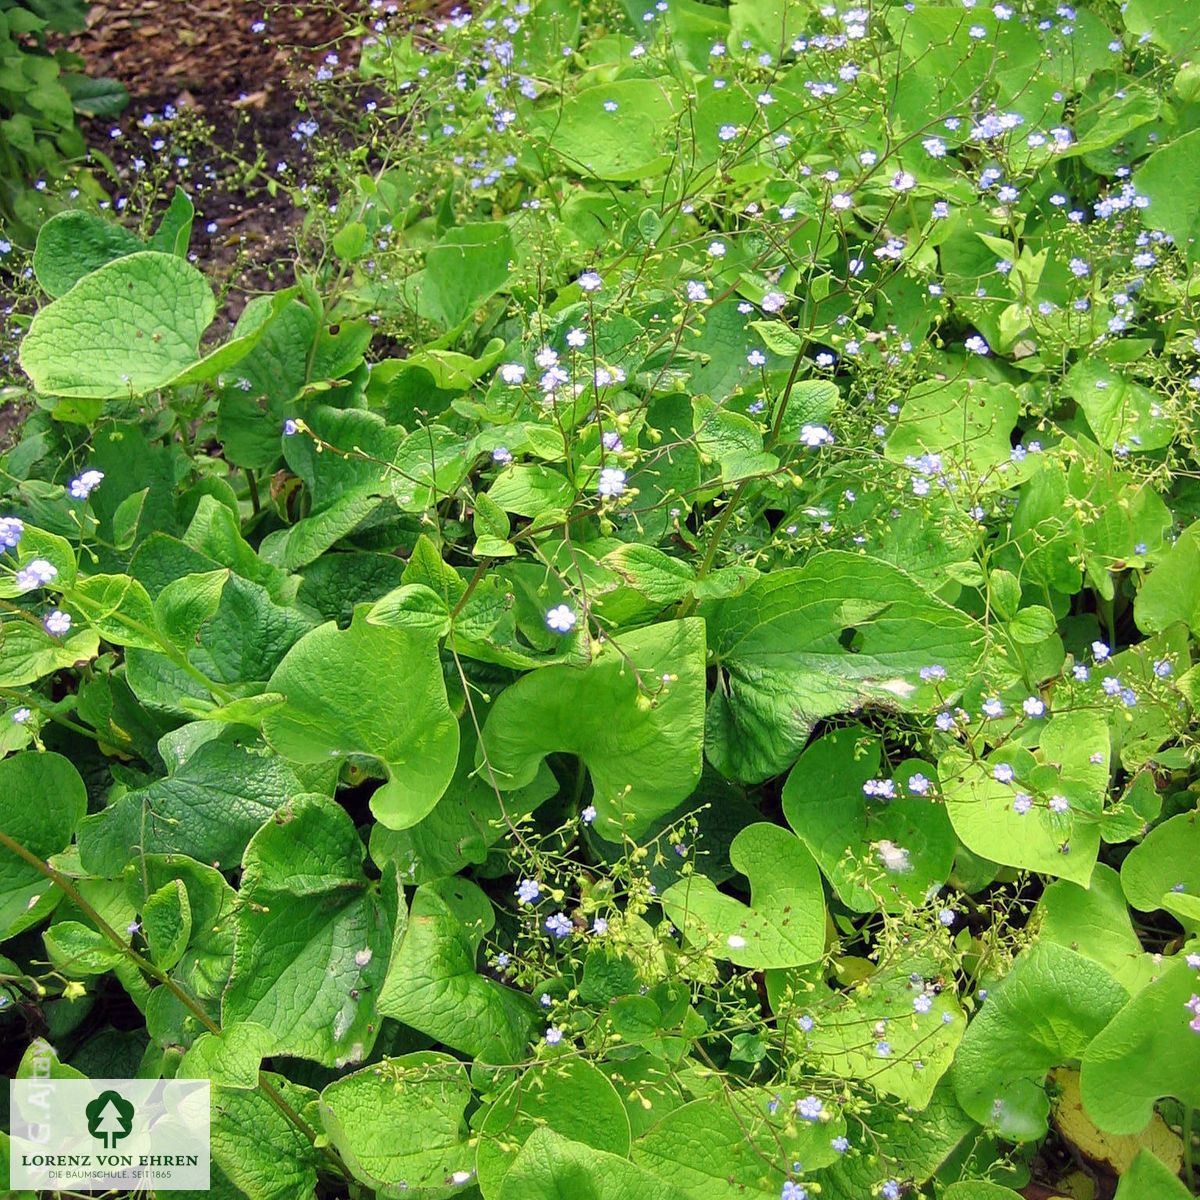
(235, 72)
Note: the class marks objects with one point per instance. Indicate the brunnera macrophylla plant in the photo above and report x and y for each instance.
(663, 665)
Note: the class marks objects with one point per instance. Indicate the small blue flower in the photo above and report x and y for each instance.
(35, 574)
(57, 623)
(11, 531)
(840, 1145)
(561, 619)
(558, 925)
(82, 487)
(528, 890)
(612, 482)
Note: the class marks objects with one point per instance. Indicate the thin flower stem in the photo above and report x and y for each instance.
(173, 986)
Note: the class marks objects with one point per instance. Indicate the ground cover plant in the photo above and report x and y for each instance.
(41, 96)
(662, 665)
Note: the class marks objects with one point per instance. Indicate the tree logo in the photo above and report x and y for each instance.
(109, 1118)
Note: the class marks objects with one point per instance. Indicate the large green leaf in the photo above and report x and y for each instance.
(784, 924)
(892, 1142)
(1072, 762)
(125, 329)
(208, 808)
(807, 642)
(856, 838)
(1148, 1179)
(1173, 24)
(73, 243)
(119, 609)
(736, 1143)
(979, 1189)
(312, 936)
(634, 715)
(734, 440)
(345, 489)
(1164, 870)
(28, 652)
(258, 1150)
(1147, 1051)
(466, 266)
(431, 985)
(207, 961)
(873, 1032)
(628, 142)
(1043, 1014)
(1170, 177)
(550, 1167)
(1045, 537)
(968, 422)
(167, 923)
(399, 1124)
(232, 1057)
(1122, 413)
(370, 690)
(464, 824)
(765, 24)
(1171, 592)
(42, 799)
(570, 1097)
(1094, 921)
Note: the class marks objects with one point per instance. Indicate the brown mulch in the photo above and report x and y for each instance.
(245, 90)
(241, 74)
(208, 48)
(246, 70)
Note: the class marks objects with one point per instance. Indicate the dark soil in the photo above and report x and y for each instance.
(241, 74)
